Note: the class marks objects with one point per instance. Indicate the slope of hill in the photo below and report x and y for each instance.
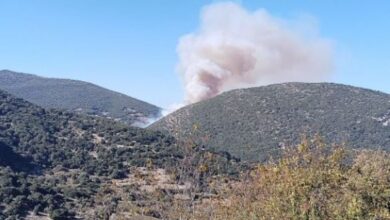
(255, 123)
(77, 96)
(69, 166)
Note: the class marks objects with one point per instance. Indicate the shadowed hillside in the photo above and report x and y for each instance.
(255, 123)
(77, 96)
(14, 160)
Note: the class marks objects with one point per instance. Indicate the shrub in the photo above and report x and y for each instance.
(310, 181)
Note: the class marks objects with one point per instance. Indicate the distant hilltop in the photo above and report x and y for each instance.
(77, 96)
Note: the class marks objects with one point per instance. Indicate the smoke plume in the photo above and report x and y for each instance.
(236, 48)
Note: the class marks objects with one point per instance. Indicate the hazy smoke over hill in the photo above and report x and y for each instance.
(235, 48)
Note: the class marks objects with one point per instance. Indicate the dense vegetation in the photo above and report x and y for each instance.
(61, 164)
(254, 123)
(77, 96)
(310, 181)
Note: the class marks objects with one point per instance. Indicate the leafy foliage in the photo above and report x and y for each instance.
(311, 181)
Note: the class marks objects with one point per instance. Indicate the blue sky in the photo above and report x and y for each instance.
(130, 45)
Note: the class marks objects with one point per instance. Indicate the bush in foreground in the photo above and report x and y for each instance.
(310, 181)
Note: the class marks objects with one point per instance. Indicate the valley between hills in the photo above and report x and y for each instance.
(283, 151)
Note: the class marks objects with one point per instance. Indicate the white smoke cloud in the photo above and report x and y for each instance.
(236, 48)
(146, 122)
(171, 108)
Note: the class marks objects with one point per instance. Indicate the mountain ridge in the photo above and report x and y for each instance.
(248, 122)
(78, 96)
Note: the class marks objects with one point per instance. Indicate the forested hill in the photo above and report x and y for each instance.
(67, 166)
(77, 96)
(53, 137)
(257, 122)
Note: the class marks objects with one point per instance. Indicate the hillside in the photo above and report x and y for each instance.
(77, 96)
(67, 166)
(255, 123)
